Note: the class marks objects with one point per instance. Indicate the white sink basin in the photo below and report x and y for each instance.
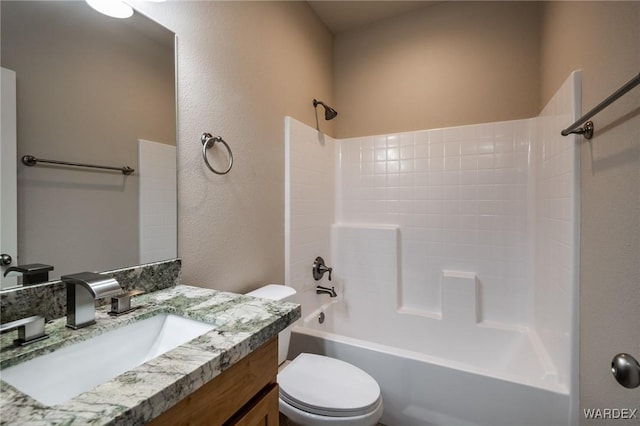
(63, 374)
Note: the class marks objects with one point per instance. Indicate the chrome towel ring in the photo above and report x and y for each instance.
(208, 140)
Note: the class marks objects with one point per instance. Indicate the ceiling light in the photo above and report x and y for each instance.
(113, 8)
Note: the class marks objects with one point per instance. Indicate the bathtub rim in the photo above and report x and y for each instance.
(420, 357)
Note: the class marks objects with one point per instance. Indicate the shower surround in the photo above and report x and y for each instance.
(457, 246)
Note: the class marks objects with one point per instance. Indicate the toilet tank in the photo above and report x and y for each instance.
(284, 294)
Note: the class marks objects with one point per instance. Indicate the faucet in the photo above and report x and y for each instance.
(33, 273)
(330, 291)
(30, 329)
(319, 269)
(83, 289)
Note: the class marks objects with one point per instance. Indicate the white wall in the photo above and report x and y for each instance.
(309, 208)
(158, 220)
(8, 166)
(555, 226)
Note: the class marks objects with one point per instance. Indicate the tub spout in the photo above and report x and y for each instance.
(330, 291)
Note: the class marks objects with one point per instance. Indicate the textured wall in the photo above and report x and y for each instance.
(602, 39)
(242, 67)
(454, 63)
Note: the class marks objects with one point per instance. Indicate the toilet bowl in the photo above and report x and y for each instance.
(317, 390)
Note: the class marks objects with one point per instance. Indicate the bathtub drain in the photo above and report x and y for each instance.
(321, 317)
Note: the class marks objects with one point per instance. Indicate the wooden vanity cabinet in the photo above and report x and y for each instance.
(245, 395)
(263, 412)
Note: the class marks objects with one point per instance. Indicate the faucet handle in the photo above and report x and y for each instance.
(30, 329)
(121, 304)
(329, 270)
(319, 269)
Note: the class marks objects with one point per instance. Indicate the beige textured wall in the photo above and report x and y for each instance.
(449, 64)
(603, 39)
(242, 66)
(88, 87)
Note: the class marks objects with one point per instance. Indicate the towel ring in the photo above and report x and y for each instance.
(208, 140)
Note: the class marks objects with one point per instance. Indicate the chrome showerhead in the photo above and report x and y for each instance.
(329, 113)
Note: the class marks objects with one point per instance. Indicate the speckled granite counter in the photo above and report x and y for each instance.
(242, 324)
(50, 299)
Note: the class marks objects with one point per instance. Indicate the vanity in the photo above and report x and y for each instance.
(226, 375)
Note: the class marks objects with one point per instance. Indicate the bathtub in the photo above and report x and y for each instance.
(487, 376)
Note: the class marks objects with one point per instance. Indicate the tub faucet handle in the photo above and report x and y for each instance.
(319, 269)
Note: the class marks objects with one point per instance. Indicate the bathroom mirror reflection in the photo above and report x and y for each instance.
(98, 90)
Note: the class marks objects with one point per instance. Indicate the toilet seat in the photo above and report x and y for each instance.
(328, 387)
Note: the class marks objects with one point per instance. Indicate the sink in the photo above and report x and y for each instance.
(63, 374)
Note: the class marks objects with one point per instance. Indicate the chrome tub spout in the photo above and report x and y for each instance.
(330, 291)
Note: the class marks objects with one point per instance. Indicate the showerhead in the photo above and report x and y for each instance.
(329, 113)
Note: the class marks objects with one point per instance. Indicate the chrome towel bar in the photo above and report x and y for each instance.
(588, 128)
(208, 141)
(30, 160)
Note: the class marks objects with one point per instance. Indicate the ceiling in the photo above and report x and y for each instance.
(341, 16)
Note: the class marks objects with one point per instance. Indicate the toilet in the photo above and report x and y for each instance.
(317, 390)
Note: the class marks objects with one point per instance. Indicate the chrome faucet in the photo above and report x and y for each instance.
(319, 269)
(330, 291)
(30, 329)
(83, 289)
(33, 273)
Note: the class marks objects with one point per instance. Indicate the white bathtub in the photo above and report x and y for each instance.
(487, 376)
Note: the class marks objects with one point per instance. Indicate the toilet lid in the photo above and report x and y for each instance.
(327, 386)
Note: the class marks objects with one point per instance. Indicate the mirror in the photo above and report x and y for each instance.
(98, 90)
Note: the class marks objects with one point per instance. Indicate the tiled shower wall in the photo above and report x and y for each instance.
(459, 198)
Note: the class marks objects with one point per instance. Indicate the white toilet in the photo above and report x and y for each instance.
(317, 390)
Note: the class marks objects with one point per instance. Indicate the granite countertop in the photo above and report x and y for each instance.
(242, 324)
